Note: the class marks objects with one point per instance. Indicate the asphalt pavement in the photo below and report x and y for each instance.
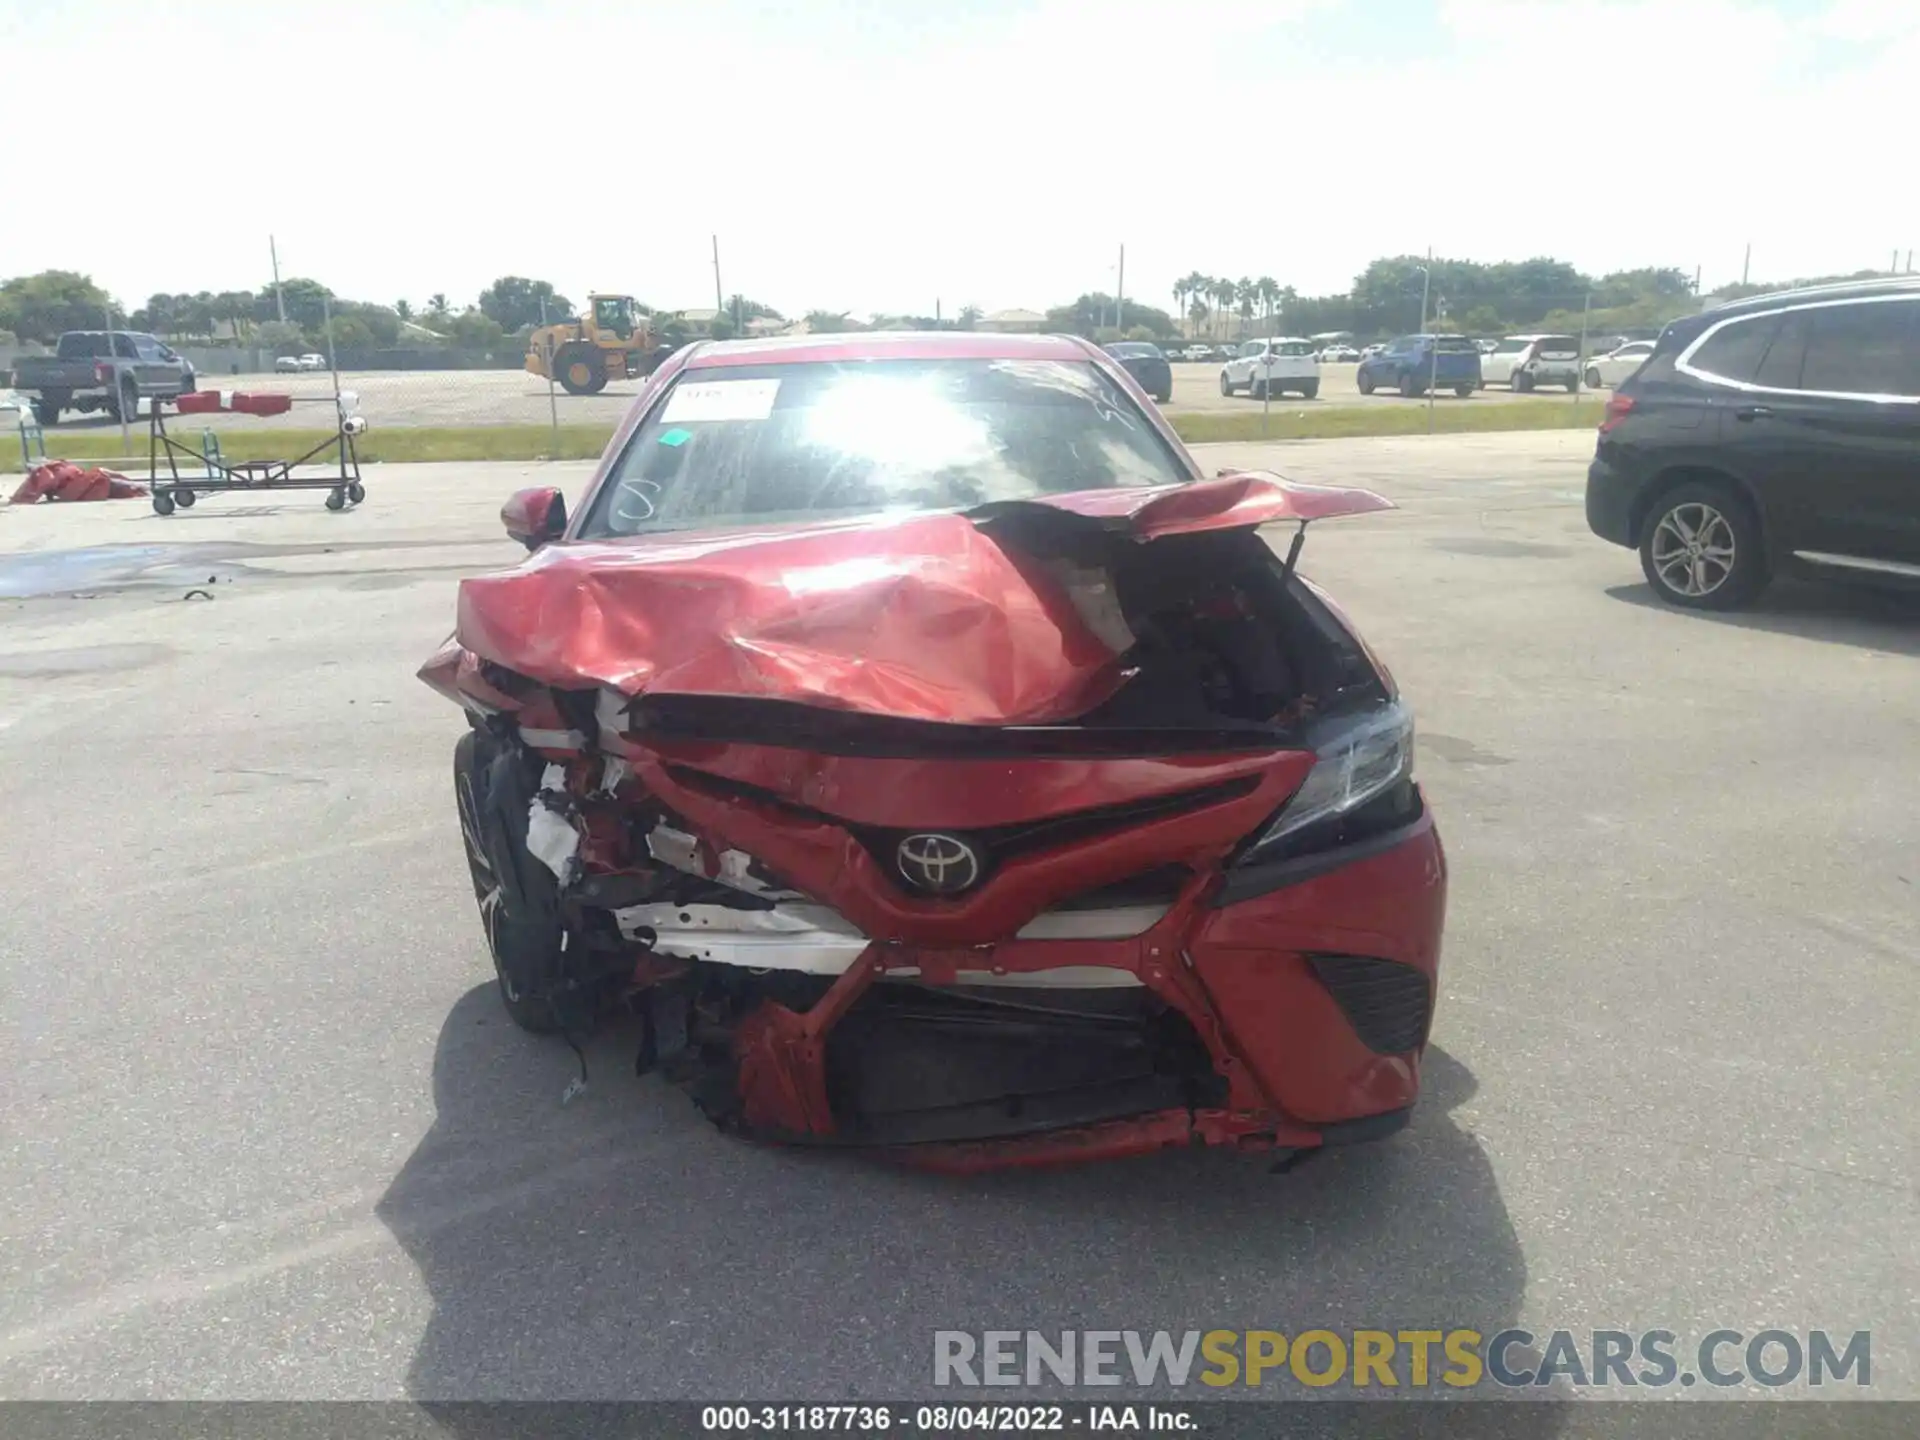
(268, 1134)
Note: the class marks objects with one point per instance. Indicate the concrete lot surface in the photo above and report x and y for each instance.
(513, 397)
(268, 1133)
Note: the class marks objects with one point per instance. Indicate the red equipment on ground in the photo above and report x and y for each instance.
(65, 481)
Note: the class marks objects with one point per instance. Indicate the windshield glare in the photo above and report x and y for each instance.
(773, 444)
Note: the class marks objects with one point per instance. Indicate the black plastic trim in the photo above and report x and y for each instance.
(1250, 882)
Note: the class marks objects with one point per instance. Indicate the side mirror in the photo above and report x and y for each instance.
(533, 517)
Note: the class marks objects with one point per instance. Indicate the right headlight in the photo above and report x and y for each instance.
(1359, 761)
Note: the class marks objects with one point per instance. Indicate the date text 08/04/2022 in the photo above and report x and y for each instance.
(945, 1419)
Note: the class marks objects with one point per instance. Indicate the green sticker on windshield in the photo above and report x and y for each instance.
(676, 437)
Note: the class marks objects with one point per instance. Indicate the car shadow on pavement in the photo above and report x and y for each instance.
(1874, 619)
(618, 1247)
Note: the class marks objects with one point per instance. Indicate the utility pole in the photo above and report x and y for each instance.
(119, 393)
(1747, 263)
(1586, 308)
(719, 305)
(279, 301)
(1696, 279)
(1120, 294)
(1433, 367)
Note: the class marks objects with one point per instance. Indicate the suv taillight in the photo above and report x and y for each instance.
(102, 372)
(1618, 408)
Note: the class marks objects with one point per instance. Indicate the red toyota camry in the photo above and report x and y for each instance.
(941, 763)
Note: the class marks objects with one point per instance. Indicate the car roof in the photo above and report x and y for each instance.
(887, 345)
(1839, 290)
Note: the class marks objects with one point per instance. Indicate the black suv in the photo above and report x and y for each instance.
(1779, 433)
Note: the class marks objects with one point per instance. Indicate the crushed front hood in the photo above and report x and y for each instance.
(924, 617)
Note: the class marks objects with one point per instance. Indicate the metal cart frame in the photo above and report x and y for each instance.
(175, 489)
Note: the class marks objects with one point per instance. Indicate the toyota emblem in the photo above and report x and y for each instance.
(938, 864)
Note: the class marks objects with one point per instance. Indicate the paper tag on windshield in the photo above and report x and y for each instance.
(721, 400)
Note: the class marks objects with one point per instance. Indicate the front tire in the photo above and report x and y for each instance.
(1410, 388)
(1593, 378)
(1701, 548)
(1463, 391)
(1311, 390)
(579, 370)
(1363, 382)
(1226, 385)
(47, 412)
(518, 897)
(1521, 382)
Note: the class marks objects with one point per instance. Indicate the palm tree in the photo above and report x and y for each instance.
(969, 316)
(1268, 290)
(1244, 295)
(828, 322)
(1223, 292)
(1198, 288)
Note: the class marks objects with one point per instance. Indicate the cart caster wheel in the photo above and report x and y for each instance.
(356, 492)
(162, 503)
(184, 499)
(336, 499)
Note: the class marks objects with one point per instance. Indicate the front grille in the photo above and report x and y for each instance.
(997, 844)
(1387, 1003)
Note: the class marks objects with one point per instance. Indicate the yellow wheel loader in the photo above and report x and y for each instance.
(611, 340)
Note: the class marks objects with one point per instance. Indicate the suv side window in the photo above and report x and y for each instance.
(123, 348)
(1780, 367)
(1734, 351)
(1251, 348)
(1866, 348)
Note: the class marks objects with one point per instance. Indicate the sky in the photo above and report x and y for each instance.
(888, 155)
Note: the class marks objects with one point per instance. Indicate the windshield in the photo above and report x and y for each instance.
(1455, 345)
(1511, 347)
(774, 444)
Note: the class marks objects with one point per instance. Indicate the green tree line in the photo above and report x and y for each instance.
(1384, 299)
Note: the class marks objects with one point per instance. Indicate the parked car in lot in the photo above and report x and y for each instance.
(1525, 361)
(1412, 363)
(1147, 365)
(1265, 368)
(1486, 347)
(311, 361)
(101, 370)
(1778, 434)
(1367, 352)
(1200, 353)
(285, 363)
(1339, 355)
(928, 751)
(1608, 370)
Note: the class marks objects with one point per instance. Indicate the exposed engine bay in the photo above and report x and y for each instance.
(845, 926)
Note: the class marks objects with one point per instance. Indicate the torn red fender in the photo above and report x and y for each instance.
(64, 481)
(1229, 502)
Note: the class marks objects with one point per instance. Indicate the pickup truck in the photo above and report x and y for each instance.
(95, 370)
